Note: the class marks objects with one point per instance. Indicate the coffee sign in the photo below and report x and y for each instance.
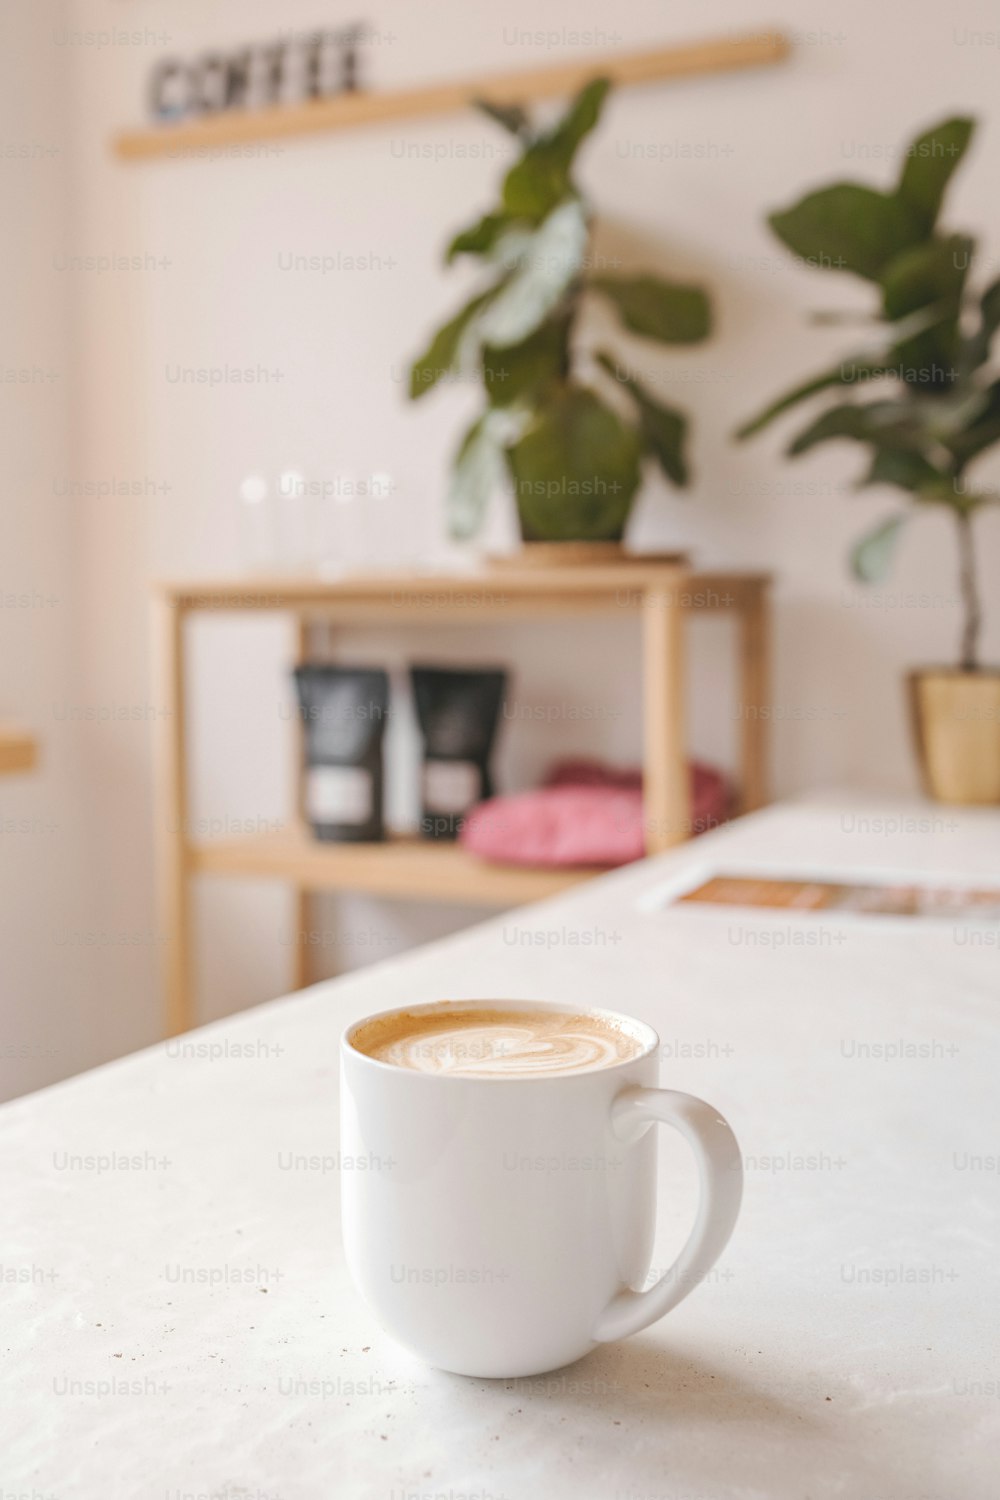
(316, 65)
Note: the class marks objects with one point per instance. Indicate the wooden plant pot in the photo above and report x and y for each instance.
(577, 555)
(956, 723)
(561, 554)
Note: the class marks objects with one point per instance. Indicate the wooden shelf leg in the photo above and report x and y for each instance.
(302, 915)
(666, 784)
(755, 688)
(302, 902)
(171, 802)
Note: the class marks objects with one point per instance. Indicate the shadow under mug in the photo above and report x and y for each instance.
(499, 1227)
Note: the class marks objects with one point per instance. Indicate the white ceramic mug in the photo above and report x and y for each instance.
(500, 1226)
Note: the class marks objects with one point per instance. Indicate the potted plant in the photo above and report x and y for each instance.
(923, 400)
(572, 456)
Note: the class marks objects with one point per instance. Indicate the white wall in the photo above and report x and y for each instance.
(682, 175)
(52, 1016)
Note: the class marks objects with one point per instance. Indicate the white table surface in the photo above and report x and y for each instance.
(846, 1345)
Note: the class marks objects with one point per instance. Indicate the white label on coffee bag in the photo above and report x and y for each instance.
(339, 794)
(451, 786)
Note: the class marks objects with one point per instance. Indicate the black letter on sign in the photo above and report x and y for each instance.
(272, 59)
(312, 66)
(238, 80)
(169, 97)
(350, 40)
(210, 82)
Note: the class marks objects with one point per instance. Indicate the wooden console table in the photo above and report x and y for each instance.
(659, 593)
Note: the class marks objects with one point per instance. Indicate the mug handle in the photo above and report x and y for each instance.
(720, 1170)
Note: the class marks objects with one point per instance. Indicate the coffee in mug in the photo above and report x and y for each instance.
(499, 1043)
(503, 1221)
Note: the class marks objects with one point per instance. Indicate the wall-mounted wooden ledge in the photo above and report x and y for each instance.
(18, 750)
(195, 137)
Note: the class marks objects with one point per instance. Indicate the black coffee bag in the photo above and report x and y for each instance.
(457, 710)
(344, 710)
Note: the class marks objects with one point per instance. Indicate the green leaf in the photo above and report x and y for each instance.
(542, 178)
(862, 367)
(837, 422)
(535, 185)
(663, 428)
(929, 362)
(443, 355)
(932, 277)
(546, 266)
(658, 309)
(848, 227)
(480, 238)
(930, 161)
(581, 117)
(927, 274)
(522, 372)
(945, 416)
(870, 558)
(981, 433)
(477, 471)
(976, 349)
(664, 431)
(511, 116)
(883, 423)
(905, 469)
(575, 470)
(990, 308)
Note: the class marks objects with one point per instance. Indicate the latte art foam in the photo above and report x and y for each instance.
(495, 1043)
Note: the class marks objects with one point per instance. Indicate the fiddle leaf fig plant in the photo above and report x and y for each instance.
(574, 461)
(923, 397)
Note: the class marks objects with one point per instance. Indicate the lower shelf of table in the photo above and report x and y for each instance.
(411, 869)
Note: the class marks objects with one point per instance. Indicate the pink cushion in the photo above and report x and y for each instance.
(559, 825)
(579, 771)
(586, 814)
